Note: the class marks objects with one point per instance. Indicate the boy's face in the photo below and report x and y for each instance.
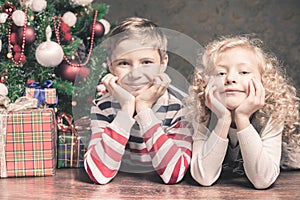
(234, 70)
(136, 65)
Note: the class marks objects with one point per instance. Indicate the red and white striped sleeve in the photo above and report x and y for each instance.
(107, 145)
(170, 148)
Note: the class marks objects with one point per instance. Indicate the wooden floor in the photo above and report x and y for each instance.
(75, 184)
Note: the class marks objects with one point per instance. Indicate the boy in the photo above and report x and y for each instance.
(138, 125)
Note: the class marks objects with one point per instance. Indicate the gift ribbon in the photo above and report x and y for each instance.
(39, 93)
(4, 101)
(69, 127)
(3, 121)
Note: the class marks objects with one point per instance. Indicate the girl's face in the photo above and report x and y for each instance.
(235, 67)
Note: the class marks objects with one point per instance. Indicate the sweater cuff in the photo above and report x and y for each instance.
(122, 122)
(216, 144)
(146, 119)
(248, 135)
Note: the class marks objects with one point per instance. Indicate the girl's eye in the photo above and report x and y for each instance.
(147, 62)
(244, 72)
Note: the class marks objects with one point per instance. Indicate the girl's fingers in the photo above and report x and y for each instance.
(260, 90)
(251, 89)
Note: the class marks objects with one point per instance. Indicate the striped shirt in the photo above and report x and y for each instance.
(155, 139)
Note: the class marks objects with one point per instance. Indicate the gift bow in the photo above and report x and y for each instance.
(39, 93)
(21, 103)
(61, 126)
(46, 84)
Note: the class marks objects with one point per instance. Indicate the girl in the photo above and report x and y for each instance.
(244, 107)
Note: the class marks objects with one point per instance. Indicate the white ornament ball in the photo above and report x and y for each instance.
(18, 17)
(3, 90)
(69, 18)
(49, 54)
(81, 2)
(106, 25)
(38, 5)
(3, 17)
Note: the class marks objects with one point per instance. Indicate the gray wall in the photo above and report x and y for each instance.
(276, 22)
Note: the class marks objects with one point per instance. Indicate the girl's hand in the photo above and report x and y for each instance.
(148, 95)
(254, 101)
(213, 101)
(126, 100)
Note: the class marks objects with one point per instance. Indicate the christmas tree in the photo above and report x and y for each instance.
(53, 40)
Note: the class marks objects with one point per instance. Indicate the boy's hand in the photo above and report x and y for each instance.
(148, 95)
(213, 101)
(126, 100)
(254, 101)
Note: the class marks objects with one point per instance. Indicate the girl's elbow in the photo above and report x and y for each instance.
(261, 186)
(204, 181)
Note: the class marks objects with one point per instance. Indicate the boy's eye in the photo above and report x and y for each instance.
(147, 62)
(221, 73)
(123, 63)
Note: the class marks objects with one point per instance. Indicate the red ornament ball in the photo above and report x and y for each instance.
(83, 73)
(65, 28)
(68, 37)
(8, 8)
(17, 48)
(70, 73)
(29, 35)
(19, 58)
(99, 29)
(66, 71)
(13, 38)
(29, 81)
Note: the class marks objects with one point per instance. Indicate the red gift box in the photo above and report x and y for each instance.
(28, 144)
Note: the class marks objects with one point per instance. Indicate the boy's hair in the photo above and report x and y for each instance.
(281, 102)
(139, 29)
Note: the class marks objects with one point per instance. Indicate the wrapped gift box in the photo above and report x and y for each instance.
(28, 143)
(71, 149)
(71, 145)
(45, 96)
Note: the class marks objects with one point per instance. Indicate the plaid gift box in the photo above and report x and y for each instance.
(44, 96)
(71, 147)
(29, 143)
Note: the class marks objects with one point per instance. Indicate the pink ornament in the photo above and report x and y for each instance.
(98, 28)
(29, 34)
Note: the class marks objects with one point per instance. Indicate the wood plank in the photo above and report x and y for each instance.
(75, 184)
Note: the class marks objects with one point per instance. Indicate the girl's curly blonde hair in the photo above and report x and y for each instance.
(281, 101)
